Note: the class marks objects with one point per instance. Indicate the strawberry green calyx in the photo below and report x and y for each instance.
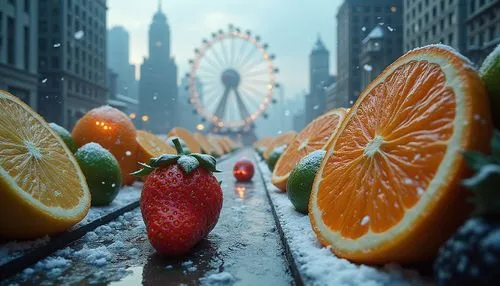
(188, 162)
(486, 180)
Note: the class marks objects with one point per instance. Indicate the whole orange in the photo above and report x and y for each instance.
(113, 130)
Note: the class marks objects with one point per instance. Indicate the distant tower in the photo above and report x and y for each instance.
(158, 84)
(319, 73)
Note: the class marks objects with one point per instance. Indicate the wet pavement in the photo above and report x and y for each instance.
(243, 249)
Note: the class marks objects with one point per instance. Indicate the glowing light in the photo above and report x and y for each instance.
(394, 9)
(105, 127)
(241, 192)
(132, 116)
(220, 124)
(97, 123)
(200, 127)
(269, 86)
(145, 118)
(102, 123)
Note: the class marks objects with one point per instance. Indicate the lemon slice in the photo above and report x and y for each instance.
(42, 189)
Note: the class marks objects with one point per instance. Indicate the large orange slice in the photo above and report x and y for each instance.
(188, 137)
(151, 146)
(282, 139)
(313, 137)
(42, 189)
(388, 189)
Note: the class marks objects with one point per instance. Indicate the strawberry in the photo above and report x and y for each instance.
(181, 200)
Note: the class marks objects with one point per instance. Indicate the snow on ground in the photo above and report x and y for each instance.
(15, 249)
(103, 246)
(317, 264)
(220, 279)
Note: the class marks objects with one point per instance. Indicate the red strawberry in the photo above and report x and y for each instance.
(181, 200)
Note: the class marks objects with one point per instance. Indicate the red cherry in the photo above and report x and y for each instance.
(243, 170)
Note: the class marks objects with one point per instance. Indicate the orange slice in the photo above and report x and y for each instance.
(188, 137)
(313, 137)
(204, 144)
(388, 189)
(151, 146)
(223, 144)
(217, 148)
(42, 189)
(282, 139)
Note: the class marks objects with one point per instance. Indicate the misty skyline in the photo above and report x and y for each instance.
(290, 28)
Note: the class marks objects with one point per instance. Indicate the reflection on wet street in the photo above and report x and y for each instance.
(243, 249)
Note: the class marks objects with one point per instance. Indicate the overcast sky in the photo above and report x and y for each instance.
(289, 26)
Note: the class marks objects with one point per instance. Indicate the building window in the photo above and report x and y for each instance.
(450, 39)
(11, 51)
(27, 6)
(492, 32)
(26, 48)
(55, 63)
(472, 6)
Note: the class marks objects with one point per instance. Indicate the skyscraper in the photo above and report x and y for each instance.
(482, 28)
(378, 50)
(158, 84)
(433, 22)
(72, 59)
(18, 49)
(355, 19)
(319, 73)
(118, 61)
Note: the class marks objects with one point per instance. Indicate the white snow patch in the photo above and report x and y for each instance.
(222, 278)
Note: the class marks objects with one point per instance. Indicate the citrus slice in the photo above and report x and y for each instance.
(188, 137)
(223, 144)
(151, 146)
(282, 139)
(217, 148)
(313, 137)
(42, 188)
(204, 144)
(389, 187)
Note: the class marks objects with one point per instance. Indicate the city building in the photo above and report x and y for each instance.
(355, 19)
(332, 100)
(71, 59)
(432, 22)
(319, 73)
(378, 50)
(118, 61)
(482, 28)
(128, 105)
(158, 83)
(18, 49)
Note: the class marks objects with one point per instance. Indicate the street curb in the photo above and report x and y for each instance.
(288, 253)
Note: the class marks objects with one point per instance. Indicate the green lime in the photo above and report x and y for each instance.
(185, 148)
(301, 180)
(65, 136)
(490, 74)
(101, 171)
(275, 155)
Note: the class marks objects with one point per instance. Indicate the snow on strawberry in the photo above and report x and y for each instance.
(181, 200)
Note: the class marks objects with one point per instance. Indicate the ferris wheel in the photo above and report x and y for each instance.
(232, 79)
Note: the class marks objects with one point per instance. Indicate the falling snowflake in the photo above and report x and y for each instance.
(391, 29)
(368, 68)
(57, 45)
(79, 35)
(155, 97)
(287, 112)
(365, 220)
(316, 106)
(44, 80)
(381, 23)
(363, 28)
(128, 153)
